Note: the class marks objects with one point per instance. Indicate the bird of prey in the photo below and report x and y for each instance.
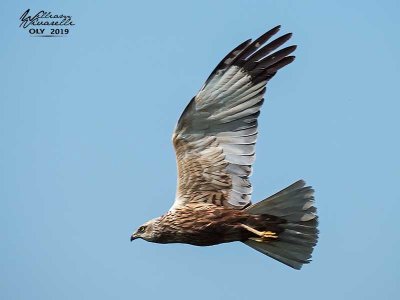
(214, 142)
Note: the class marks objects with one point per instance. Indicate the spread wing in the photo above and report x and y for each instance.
(216, 134)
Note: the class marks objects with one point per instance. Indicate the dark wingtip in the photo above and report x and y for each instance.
(288, 35)
(275, 29)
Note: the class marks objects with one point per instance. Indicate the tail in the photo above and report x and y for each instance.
(299, 235)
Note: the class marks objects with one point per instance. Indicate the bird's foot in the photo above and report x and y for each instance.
(263, 236)
(269, 235)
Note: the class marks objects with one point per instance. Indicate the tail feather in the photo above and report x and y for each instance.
(294, 205)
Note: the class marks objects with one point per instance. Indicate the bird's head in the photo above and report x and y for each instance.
(148, 231)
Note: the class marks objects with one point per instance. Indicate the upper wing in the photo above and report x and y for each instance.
(216, 134)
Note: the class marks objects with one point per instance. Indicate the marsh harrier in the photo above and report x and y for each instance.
(215, 142)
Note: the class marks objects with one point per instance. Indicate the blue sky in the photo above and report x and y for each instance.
(86, 157)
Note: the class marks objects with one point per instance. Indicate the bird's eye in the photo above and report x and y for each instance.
(142, 228)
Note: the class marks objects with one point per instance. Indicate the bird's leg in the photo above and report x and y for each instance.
(263, 235)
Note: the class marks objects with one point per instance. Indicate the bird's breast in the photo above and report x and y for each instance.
(202, 227)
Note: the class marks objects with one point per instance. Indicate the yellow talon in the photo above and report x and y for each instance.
(263, 235)
(269, 235)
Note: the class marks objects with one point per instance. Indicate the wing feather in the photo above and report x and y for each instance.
(216, 134)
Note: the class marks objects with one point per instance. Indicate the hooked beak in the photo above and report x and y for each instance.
(134, 237)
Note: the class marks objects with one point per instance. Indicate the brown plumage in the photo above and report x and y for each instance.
(206, 225)
(214, 142)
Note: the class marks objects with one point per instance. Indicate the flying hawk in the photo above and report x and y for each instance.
(214, 142)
